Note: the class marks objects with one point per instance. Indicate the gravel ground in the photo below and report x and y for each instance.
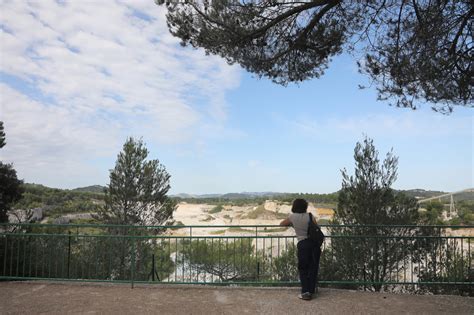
(80, 298)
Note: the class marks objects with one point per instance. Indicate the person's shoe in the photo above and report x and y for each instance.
(305, 296)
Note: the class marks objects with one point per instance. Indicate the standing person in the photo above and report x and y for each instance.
(308, 251)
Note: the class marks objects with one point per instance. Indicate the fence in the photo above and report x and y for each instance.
(368, 257)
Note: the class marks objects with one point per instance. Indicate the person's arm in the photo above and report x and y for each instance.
(286, 222)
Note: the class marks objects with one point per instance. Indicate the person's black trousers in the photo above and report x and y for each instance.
(308, 264)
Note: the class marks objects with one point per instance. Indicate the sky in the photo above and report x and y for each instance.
(79, 77)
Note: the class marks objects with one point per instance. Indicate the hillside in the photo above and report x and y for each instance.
(93, 189)
(57, 201)
(212, 208)
(421, 193)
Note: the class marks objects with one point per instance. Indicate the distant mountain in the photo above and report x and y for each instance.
(93, 189)
(421, 193)
(242, 195)
(467, 194)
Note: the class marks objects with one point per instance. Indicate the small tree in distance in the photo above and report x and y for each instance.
(136, 194)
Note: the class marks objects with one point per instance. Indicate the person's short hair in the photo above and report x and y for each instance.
(299, 206)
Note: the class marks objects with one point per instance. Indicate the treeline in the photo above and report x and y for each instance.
(327, 199)
(464, 209)
(58, 201)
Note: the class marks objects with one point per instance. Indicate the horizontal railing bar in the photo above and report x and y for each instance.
(230, 226)
(229, 236)
(279, 283)
(55, 256)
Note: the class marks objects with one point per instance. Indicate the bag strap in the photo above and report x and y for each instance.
(311, 220)
(309, 223)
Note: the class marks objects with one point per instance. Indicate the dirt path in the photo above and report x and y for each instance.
(73, 298)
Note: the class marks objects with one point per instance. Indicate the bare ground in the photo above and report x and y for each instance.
(73, 298)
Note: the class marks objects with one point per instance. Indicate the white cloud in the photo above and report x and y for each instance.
(403, 125)
(98, 71)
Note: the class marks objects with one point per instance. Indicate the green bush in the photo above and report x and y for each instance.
(227, 261)
(285, 267)
(216, 209)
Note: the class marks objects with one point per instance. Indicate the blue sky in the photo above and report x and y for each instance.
(77, 78)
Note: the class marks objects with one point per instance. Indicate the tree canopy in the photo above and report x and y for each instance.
(2, 135)
(367, 197)
(11, 188)
(137, 191)
(413, 51)
(370, 208)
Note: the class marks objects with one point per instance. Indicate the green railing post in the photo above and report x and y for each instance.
(133, 263)
(69, 254)
(40, 253)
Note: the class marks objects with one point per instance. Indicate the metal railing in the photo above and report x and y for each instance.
(369, 257)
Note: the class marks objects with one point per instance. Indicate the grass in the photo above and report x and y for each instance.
(239, 229)
(260, 212)
(219, 232)
(282, 229)
(86, 230)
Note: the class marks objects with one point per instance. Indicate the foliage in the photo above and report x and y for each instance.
(327, 200)
(10, 186)
(368, 199)
(11, 189)
(137, 191)
(414, 50)
(465, 210)
(136, 195)
(2, 135)
(228, 261)
(91, 189)
(434, 210)
(285, 266)
(58, 201)
(216, 209)
(83, 258)
(323, 200)
(257, 213)
(448, 266)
